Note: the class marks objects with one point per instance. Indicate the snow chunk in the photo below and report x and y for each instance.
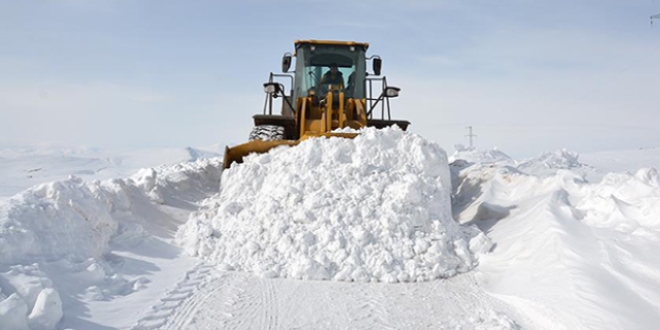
(373, 208)
(13, 313)
(27, 281)
(47, 311)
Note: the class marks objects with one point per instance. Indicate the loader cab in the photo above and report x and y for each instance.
(314, 105)
(313, 61)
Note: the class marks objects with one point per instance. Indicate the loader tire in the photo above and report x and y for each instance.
(267, 133)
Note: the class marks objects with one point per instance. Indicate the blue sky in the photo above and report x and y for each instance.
(530, 76)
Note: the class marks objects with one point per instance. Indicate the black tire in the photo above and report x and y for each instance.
(267, 133)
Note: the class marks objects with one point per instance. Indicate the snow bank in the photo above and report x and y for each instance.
(56, 220)
(75, 219)
(568, 253)
(373, 208)
(62, 230)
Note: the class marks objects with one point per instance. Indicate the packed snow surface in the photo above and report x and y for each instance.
(373, 208)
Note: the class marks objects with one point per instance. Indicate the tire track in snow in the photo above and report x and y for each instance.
(457, 303)
(176, 299)
(181, 319)
(270, 304)
(255, 306)
(370, 313)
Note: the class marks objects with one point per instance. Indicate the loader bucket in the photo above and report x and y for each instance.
(236, 154)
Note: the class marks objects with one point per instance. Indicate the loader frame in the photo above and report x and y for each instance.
(306, 112)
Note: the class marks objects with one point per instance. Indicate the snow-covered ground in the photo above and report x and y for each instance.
(559, 241)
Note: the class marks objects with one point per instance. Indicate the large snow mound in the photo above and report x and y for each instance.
(373, 208)
(75, 219)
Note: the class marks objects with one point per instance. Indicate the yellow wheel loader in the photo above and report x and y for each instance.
(330, 89)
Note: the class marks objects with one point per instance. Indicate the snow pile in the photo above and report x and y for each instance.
(549, 162)
(473, 155)
(56, 235)
(56, 220)
(178, 183)
(75, 219)
(373, 208)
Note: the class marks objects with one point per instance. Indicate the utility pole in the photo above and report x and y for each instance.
(470, 135)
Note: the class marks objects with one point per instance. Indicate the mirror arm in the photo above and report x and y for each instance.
(286, 99)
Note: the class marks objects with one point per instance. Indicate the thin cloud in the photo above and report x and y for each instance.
(62, 95)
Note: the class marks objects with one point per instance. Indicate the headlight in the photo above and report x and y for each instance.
(391, 91)
(270, 88)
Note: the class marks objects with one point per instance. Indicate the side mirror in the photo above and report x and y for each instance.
(286, 62)
(377, 64)
(392, 92)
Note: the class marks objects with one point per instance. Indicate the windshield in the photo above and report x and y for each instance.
(330, 68)
(326, 78)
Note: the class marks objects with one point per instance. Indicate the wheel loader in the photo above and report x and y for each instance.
(330, 88)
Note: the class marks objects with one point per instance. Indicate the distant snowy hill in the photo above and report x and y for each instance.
(21, 168)
(623, 160)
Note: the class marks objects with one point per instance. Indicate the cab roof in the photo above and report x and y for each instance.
(331, 42)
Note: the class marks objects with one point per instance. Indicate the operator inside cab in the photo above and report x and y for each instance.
(333, 77)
